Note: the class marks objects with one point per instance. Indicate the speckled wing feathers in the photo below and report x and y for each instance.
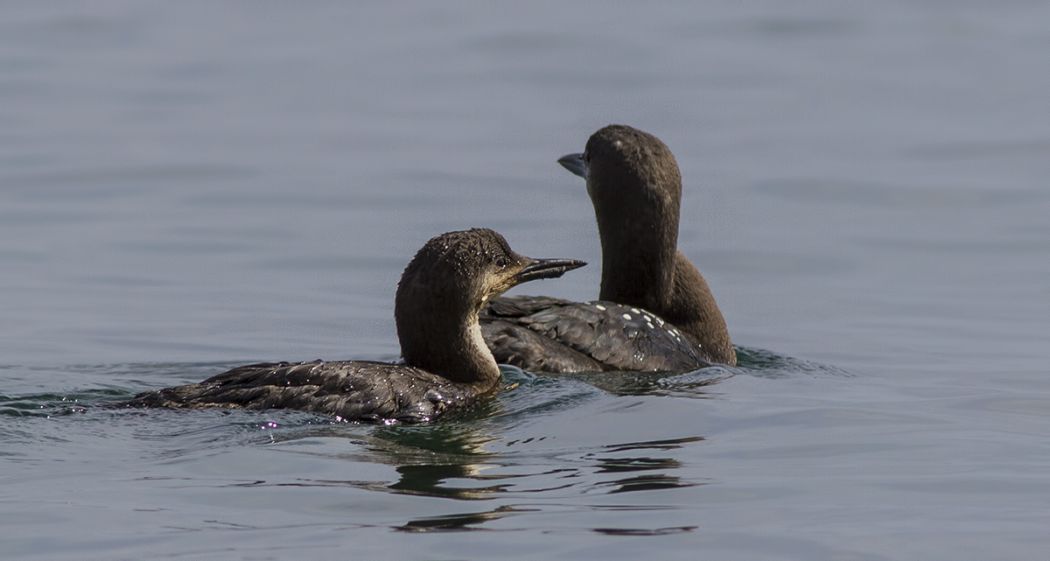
(514, 343)
(551, 335)
(351, 390)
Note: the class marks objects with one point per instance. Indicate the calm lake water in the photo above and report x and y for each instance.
(185, 186)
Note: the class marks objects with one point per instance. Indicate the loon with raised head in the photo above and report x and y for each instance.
(447, 364)
(655, 310)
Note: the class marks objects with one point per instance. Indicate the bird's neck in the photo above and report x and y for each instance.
(638, 261)
(448, 345)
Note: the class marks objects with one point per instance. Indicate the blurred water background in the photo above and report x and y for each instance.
(185, 186)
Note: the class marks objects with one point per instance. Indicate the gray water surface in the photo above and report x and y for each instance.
(187, 186)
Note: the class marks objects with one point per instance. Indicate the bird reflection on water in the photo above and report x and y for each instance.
(472, 459)
(454, 460)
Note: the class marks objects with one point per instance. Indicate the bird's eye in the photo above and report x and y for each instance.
(587, 156)
(502, 262)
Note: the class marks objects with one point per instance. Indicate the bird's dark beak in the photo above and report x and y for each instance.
(574, 163)
(546, 269)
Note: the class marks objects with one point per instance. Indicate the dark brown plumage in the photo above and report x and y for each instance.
(436, 311)
(635, 186)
